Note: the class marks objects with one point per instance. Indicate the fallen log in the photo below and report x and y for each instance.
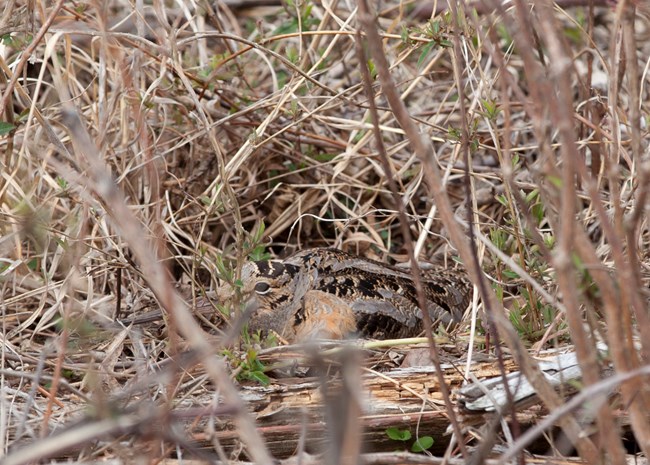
(291, 412)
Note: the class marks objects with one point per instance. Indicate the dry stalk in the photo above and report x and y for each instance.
(156, 275)
(375, 46)
(213, 121)
(561, 110)
(28, 54)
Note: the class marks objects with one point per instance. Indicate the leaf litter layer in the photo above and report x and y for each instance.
(150, 151)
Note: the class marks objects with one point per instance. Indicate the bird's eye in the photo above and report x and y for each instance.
(262, 288)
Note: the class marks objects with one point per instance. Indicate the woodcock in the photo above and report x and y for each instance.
(325, 293)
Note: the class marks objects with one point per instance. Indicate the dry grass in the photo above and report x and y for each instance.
(147, 152)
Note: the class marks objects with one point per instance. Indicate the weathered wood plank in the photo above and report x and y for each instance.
(405, 398)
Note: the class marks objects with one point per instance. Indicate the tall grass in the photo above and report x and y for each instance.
(149, 151)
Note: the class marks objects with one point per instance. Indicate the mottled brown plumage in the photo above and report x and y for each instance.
(329, 294)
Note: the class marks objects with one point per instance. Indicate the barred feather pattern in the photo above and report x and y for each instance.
(325, 293)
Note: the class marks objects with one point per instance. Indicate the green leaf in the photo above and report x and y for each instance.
(453, 133)
(306, 13)
(575, 34)
(515, 160)
(502, 199)
(68, 374)
(556, 181)
(223, 271)
(258, 254)
(397, 434)
(62, 243)
(490, 108)
(225, 311)
(538, 212)
(32, 264)
(372, 69)
(549, 240)
(6, 128)
(532, 195)
(510, 274)
(422, 444)
(260, 232)
(499, 238)
(292, 55)
(498, 290)
(287, 27)
(425, 51)
(259, 376)
(404, 34)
